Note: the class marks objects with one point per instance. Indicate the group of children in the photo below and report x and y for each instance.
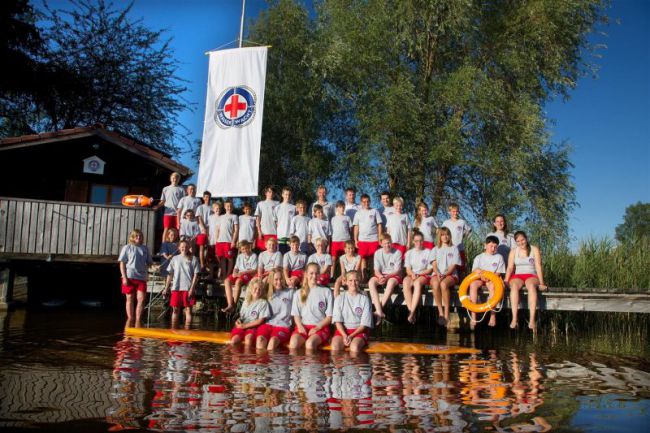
(293, 246)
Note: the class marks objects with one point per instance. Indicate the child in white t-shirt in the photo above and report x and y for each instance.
(491, 261)
(350, 261)
(459, 231)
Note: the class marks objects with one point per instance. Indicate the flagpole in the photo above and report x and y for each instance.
(241, 24)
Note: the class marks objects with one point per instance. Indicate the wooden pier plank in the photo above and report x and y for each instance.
(18, 217)
(70, 224)
(4, 221)
(33, 229)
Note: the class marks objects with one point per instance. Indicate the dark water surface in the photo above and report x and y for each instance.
(75, 371)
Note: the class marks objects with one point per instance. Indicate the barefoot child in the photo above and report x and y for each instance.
(253, 313)
(227, 233)
(319, 228)
(486, 261)
(277, 330)
(341, 232)
(284, 213)
(312, 312)
(426, 225)
(352, 317)
(134, 259)
(245, 270)
(323, 260)
(350, 261)
(367, 231)
(266, 223)
(418, 273)
(169, 199)
(293, 264)
(269, 261)
(388, 273)
(398, 226)
(459, 230)
(300, 226)
(183, 274)
(446, 261)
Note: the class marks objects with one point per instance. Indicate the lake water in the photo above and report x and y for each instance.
(75, 371)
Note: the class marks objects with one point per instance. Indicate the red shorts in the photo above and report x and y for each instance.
(427, 278)
(180, 299)
(454, 276)
(299, 274)
(245, 278)
(260, 244)
(428, 245)
(523, 277)
(365, 335)
(337, 249)
(395, 277)
(201, 239)
(224, 250)
(368, 249)
(324, 333)
(242, 333)
(170, 221)
(323, 280)
(401, 248)
(133, 285)
(269, 331)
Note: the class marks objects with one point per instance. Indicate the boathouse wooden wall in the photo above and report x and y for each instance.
(66, 231)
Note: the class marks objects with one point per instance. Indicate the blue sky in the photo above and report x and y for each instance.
(606, 120)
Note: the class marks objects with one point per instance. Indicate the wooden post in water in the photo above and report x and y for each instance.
(6, 287)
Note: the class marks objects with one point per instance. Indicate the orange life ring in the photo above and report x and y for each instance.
(137, 201)
(491, 303)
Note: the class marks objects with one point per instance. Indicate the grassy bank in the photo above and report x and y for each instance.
(597, 263)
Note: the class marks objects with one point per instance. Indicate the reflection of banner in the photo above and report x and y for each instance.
(232, 130)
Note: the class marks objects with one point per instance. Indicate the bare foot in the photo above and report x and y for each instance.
(228, 309)
(493, 321)
(442, 321)
(513, 325)
(378, 318)
(411, 317)
(532, 326)
(472, 325)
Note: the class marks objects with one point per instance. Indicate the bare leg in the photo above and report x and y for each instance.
(296, 341)
(337, 286)
(493, 315)
(313, 343)
(416, 299)
(374, 296)
(248, 340)
(261, 343)
(139, 307)
(357, 345)
(446, 286)
(337, 344)
(515, 286)
(174, 317)
(188, 317)
(274, 342)
(437, 296)
(390, 286)
(235, 296)
(406, 289)
(227, 286)
(364, 269)
(129, 309)
(230, 265)
(235, 340)
(531, 285)
(473, 296)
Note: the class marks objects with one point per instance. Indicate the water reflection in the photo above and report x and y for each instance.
(169, 386)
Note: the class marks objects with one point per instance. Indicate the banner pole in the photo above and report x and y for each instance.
(241, 24)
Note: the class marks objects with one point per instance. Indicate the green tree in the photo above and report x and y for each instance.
(636, 223)
(101, 66)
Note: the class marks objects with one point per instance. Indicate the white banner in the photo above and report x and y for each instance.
(232, 129)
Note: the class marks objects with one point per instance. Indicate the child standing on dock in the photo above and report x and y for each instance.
(293, 264)
(350, 261)
(319, 228)
(323, 260)
(247, 225)
(245, 270)
(253, 313)
(425, 224)
(213, 224)
(398, 226)
(190, 201)
(171, 195)
(489, 260)
(300, 226)
(266, 221)
(341, 232)
(459, 230)
(134, 259)
(312, 312)
(367, 230)
(445, 259)
(227, 234)
(506, 239)
(203, 216)
(277, 330)
(183, 275)
(352, 316)
(284, 213)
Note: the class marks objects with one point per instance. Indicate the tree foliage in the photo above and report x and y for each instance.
(443, 101)
(636, 223)
(101, 66)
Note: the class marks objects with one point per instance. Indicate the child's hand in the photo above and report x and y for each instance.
(125, 281)
(347, 340)
(301, 329)
(238, 323)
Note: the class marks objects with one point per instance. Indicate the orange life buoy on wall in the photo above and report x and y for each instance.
(137, 201)
(491, 303)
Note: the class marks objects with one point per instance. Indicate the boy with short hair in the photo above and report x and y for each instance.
(247, 224)
(328, 208)
(323, 260)
(386, 208)
(169, 199)
(351, 207)
(244, 271)
(319, 227)
(266, 222)
(269, 261)
(459, 230)
(341, 231)
(293, 264)
(284, 213)
(367, 230)
(300, 226)
(398, 226)
(388, 273)
(491, 261)
(190, 201)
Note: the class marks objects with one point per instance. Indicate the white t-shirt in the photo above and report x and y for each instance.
(367, 220)
(428, 227)
(385, 213)
(341, 228)
(203, 212)
(388, 263)
(269, 261)
(351, 209)
(280, 302)
(246, 263)
(444, 257)
(265, 210)
(418, 261)
(524, 264)
(136, 258)
(213, 225)
(188, 202)
(352, 310)
(349, 265)
(294, 262)
(319, 304)
(227, 223)
(172, 195)
(183, 269)
(328, 210)
(300, 228)
(246, 228)
(284, 212)
(486, 262)
(459, 229)
(319, 229)
(258, 309)
(321, 260)
(189, 228)
(398, 226)
(506, 243)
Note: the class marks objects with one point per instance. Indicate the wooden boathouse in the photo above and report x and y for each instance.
(60, 198)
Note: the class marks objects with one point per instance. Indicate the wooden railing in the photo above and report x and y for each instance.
(55, 230)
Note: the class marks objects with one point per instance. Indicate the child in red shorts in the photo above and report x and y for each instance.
(245, 270)
(352, 317)
(368, 228)
(293, 263)
(170, 197)
(388, 272)
(323, 260)
(134, 259)
(253, 313)
(183, 274)
(277, 330)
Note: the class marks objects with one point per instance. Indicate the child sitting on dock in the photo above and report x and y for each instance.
(323, 260)
(183, 274)
(446, 262)
(418, 273)
(293, 264)
(388, 273)
(277, 330)
(168, 249)
(134, 259)
(245, 270)
(491, 261)
(350, 261)
(253, 313)
(312, 312)
(352, 317)
(269, 261)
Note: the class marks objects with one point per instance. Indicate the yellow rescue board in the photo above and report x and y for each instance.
(373, 346)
